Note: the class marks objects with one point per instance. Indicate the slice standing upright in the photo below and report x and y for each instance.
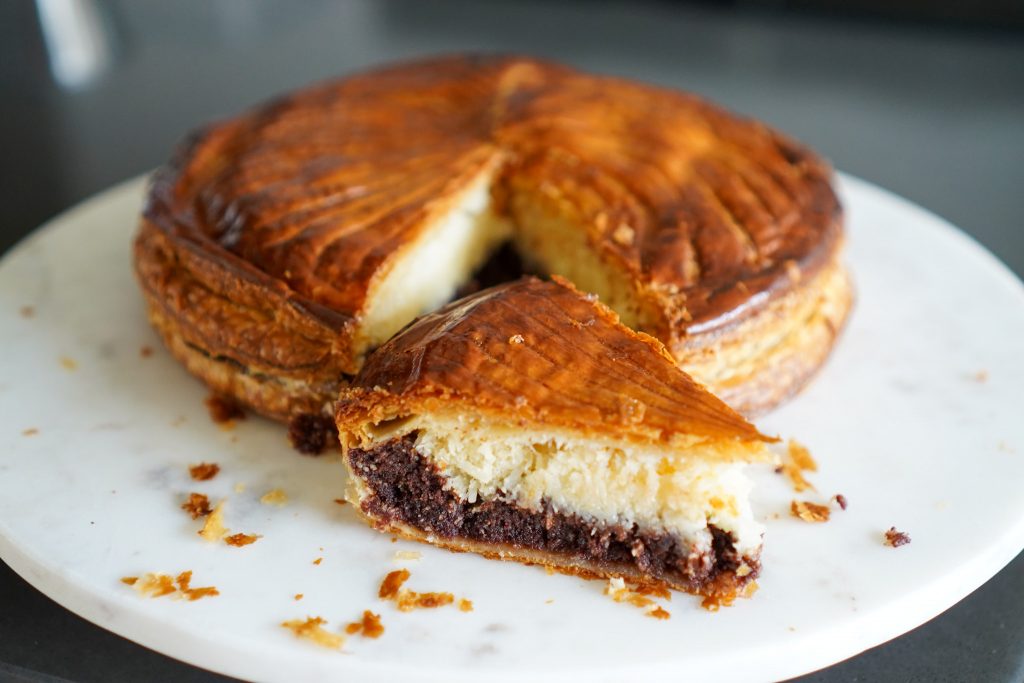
(527, 423)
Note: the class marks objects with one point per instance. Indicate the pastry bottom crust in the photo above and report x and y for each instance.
(768, 357)
(399, 491)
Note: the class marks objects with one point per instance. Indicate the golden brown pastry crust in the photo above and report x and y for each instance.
(263, 240)
(536, 353)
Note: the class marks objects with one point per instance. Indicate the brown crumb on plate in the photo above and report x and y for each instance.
(840, 500)
(239, 540)
(146, 351)
(659, 613)
(197, 505)
(318, 560)
(224, 410)
(298, 596)
(275, 497)
(31, 431)
(368, 627)
(895, 539)
(204, 471)
(27, 312)
(341, 501)
(392, 583)
(465, 605)
(214, 529)
(158, 585)
(407, 600)
(312, 629)
(981, 376)
(311, 434)
(69, 364)
(809, 512)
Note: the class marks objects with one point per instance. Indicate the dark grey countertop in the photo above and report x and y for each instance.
(935, 114)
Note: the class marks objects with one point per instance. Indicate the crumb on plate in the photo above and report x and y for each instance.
(275, 497)
(214, 529)
(197, 505)
(369, 626)
(809, 512)
(894, 538)
(204, 471)
(239, 540)
(312, 629)
(407, 555)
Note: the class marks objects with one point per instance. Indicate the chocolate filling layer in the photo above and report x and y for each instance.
(408, 488)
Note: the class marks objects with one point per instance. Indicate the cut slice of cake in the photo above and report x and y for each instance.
(526, 423)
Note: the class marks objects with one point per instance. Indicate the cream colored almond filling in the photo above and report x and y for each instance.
(428, 272)
(676, 490)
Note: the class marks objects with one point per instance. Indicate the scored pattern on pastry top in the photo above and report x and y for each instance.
(538, 352)
(702, 210)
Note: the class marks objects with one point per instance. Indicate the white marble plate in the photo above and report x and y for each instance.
(916, 419)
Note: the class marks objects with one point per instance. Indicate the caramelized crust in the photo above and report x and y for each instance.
(536, 353)
(264, 241)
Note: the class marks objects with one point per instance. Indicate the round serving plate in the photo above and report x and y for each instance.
(915, 420)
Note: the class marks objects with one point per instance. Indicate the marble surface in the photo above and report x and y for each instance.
(913, 420)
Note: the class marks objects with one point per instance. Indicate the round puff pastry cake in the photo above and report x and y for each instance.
(278, 248)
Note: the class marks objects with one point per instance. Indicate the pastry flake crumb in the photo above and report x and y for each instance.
(298, 596)
(214, 529)
(392, 583)
(465, 605)
(368, 627)
(204, 471)
(275, 497)
(840, 500)
(312, 629)
(894, 538)
(224, 410)
(31, 431)
(69, 364)
(800, 456)
(659, 613)
(146, 351)
(409, 600)
(516, 339)
(408, 555)
(809, 512)
(341, 501)
(318, 560)
(197, 505)
(239, 540)
(27, 311)
(797, 460)
(184, 581)
(157, 585)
